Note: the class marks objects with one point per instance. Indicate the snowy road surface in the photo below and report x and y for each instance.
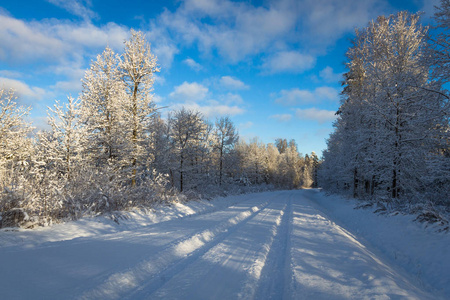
(274, 245)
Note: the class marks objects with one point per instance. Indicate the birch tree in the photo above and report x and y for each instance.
(137, 67)
(66, 137)
(187, 133)
(391, 116)
(227, 137)
(102, 107)
(15, 150)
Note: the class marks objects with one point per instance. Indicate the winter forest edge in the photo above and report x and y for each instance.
(110, 149)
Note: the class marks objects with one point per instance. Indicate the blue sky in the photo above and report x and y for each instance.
(273, 66)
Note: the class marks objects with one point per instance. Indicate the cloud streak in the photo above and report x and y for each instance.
(192, 64)
(76, 7)
(239, 30)
(297, 96)
(21, 89)
(189, 92)
(328, 75)
(55, 42)
(313, 114)
(232, 83)
(281, 117)
(288, 61)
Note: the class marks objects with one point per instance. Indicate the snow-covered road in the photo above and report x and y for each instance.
(276, 245)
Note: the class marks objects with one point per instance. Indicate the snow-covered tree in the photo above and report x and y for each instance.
(13, 128)
(391, 116)
(102, 108)
(281, 144)
(187, 132)
(137, 67)
(15, 150)
(67, 137)
(252, 161)
(226, 138)
(439, 45)
(60, 175)
(159, 148)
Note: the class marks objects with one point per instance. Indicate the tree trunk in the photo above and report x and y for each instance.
(355, 183)
(135, 134)
(181, 174)
(220, 166)
(397, 155)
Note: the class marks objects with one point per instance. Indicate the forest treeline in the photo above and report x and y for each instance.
(109, 149)
(391, 140)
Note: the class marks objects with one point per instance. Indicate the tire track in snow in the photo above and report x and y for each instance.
(163, 263)
(244, 250)
(264, 264)
(276, 272)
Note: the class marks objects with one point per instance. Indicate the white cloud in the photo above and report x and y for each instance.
(288, 61)
(314, 114)
(157, 98)
(211, 110)
(323, 22)
(87, 35)
(189, 92)
(220, 110)
(22, 89)
(76, 7)
(73, 71)
(238, 30)
(55, 41)
(24, 42)
(231, 83)
(196, 96)
(192, 64)
(296, 96)
(246, 125)
(73, 86)
(327, 93)
(10, 74)
(328, 75)
(165, 52)
(159, 79)
(230, 99)
(281, 117)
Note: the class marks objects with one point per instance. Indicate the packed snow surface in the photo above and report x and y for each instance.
(273, 245)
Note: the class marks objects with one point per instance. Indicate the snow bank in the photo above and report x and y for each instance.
(418, 249)
(110, 223)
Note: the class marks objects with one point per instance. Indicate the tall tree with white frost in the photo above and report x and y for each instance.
(390, 120)
(15, 149)
(13, 128)
(59, 173)
(187, 133)
(439, 47)
(67, 135)
(252, 162)
(227, 137)
(137, 67)
(102, 101)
